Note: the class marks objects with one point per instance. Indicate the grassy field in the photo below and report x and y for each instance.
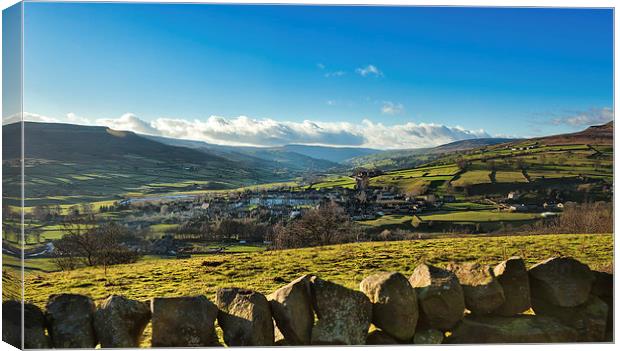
(472, 177)
(388, 220)
(266, 271)
(479, 216)
(345, 264)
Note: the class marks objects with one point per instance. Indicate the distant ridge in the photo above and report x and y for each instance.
(413, 157)
(78, 143)
(601, 135)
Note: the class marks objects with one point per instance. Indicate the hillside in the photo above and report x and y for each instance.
(333, 154)
(395, 159)
(598, 135)
(76, 143)
(478, 182)
(71, 163)
(300, 157)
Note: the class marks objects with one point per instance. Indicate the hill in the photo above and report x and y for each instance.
(270, 157)
(395, 159)
(598, 135)
(72, 163)
(333, 154)
(77, 143)
(478, 180)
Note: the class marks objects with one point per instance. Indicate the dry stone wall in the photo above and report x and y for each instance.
(464, 304)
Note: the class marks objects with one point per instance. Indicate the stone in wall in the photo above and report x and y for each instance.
(291, 306)
(394, 304)
(440, 297)
(34, 325)
(344, 315)
(428, 337)
(483, 293)
(561, 281)
(512, 276)
(245, 317)
(379, 337)
(588, 319)
(70, 321)
(603, 287)
(119, 322)
(187, 321)
(517, 329)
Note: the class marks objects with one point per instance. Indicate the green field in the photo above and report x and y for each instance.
(472, 177)
(479, 216)
(510, 177)
(335, 182)
(346, 264)
(265, 271)
(388, 220)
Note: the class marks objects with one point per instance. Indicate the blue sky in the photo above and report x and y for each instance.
(385, 77)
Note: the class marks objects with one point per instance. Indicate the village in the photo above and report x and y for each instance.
(362, 203)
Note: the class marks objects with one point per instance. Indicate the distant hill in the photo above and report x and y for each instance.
(469, 144)
(273, 157)
(333, 154)
(598, 135)
(405, 158)
(77, 143)
(395, 159)
(86, 163)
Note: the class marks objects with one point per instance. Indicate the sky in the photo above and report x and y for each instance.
(381, 77)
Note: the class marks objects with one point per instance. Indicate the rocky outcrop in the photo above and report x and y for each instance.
(183, 321)
(502, 330)
(561, 281)
(245, 317)
(394, 304)
(291, 306)
(34, 325)
(344, 315)
(119, 322)
(440, 297)
(70, 321)
(513, 278)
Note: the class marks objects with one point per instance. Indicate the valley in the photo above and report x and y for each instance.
(204, 205)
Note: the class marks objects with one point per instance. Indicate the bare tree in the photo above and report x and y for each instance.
(324, 226)
(87, 243)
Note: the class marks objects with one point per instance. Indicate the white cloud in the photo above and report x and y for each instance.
(589, 117)
(369, 70)
(244, 130)
(390, 108)
(335, 74)
(415, 135)
(75, 119)
(129, 122)
(28, 117)
(248, 131)
(322, 67)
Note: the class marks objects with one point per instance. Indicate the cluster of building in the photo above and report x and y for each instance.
(513, 204)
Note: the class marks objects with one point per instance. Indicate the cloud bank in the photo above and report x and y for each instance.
(248, 131)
